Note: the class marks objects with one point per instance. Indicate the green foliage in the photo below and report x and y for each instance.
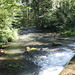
(9, 10)
(45, 14)
(69, 31)
(55, 15)
(1, 44)
(7, 34)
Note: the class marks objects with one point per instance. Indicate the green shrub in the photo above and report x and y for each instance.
(2, 44)
(8, 35)
(4, 40)
(10, 39)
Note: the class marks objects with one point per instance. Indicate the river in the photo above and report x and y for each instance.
(50, 60)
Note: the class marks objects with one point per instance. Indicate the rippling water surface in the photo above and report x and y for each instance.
(52, 62)
(49, 62)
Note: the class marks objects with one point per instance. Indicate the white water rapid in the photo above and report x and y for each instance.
(54, 62)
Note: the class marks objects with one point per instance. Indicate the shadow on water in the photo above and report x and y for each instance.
(16, 67)
(32, 29)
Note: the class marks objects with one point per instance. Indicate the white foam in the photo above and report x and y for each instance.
(54, 62)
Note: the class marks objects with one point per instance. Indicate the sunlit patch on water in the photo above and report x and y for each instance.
(27, 37)
(13, 51)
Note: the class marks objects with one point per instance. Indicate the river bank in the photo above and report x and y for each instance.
(70, 69)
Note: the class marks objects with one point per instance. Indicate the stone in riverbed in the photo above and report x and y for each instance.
(30, 49)
(2, 52)
(56, 43)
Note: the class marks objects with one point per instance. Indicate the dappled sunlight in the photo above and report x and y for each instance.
(4, 58)
(31, 43)
(12, 54)
(55, 49)
(14, 51)
(26, 37)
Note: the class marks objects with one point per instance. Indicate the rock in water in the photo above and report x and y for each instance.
(2, 52)
(56, 43)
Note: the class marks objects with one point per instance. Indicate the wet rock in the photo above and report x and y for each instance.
(30, 49)
(63, 39)
(56, 43)
(2, 52)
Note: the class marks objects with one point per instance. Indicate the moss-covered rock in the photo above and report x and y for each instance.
(30, 49)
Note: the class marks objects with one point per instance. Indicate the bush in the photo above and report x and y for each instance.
(7, 34)
(10, 39)
(60, 17)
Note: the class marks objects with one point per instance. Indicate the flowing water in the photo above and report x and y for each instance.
(50, 60)
(54, 62)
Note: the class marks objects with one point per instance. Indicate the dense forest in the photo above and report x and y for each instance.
(53, 15)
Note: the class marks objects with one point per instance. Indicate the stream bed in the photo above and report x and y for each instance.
(48, 59)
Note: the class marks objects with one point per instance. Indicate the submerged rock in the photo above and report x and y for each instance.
(56, 43)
